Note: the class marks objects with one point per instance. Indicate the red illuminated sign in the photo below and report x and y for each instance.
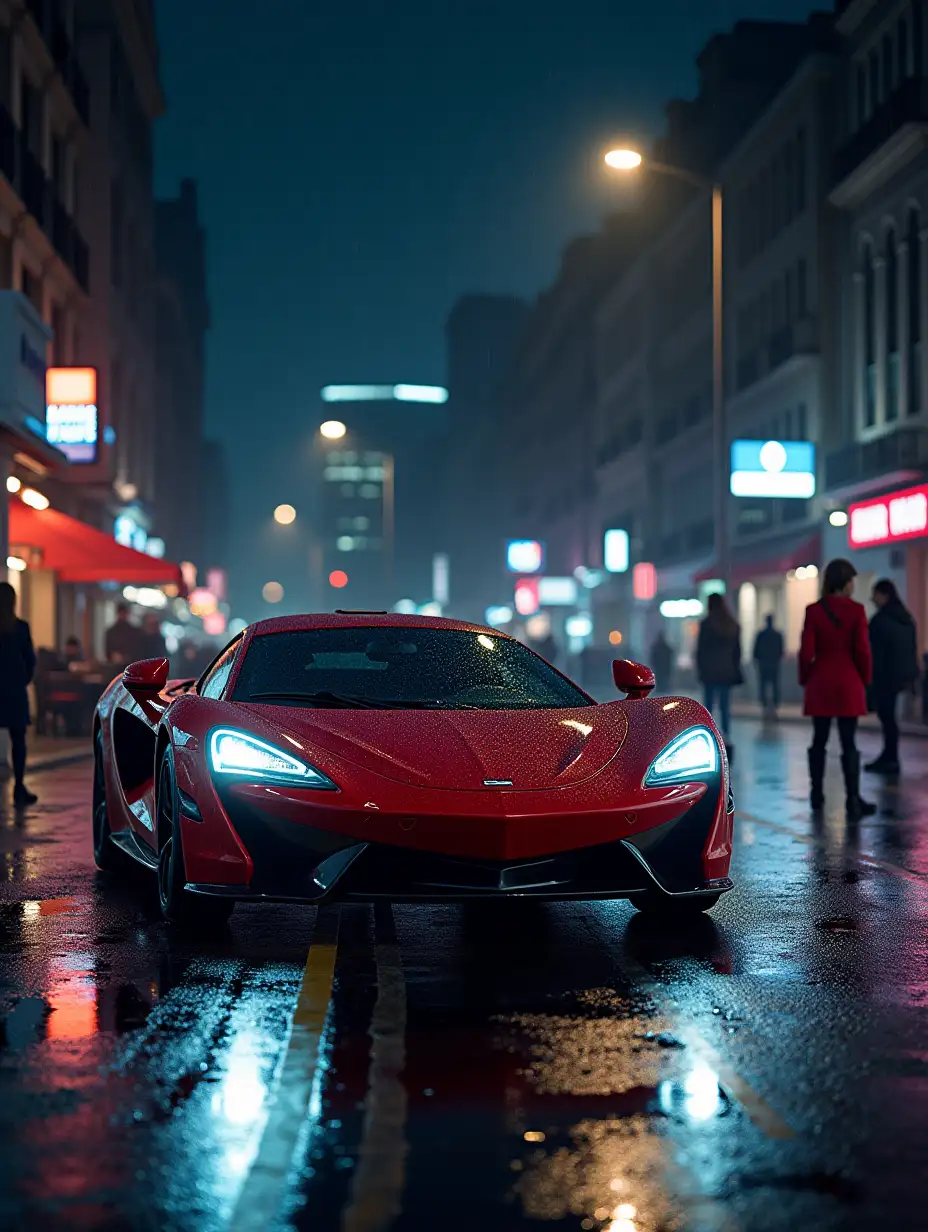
(889, 519)
(644, 581)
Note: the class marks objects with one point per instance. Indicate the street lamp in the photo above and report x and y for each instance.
(332, 429)
(626, 159)
(284, 515)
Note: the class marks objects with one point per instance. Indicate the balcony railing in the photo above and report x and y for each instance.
(908, 104)
(67, 65)
(904, 449)
(26, 175)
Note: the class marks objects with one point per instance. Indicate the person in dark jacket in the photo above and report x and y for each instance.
(718, 660)
(894, 646)
(17, 667)
(835, 669)
(768, 655)
(662, 662)
(123, 639)
(151, 640)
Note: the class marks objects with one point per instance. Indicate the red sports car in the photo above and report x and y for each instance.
(363, 756)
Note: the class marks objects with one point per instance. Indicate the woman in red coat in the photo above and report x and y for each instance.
(834, 669)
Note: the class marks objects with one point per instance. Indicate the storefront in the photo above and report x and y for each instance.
(55, 560)
(887, 536)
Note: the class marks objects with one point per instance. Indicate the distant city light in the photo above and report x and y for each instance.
(272, 592)
(332, 429)
(429, 609)
(837, 517)
(579, 626)
(557, 592)
(420, 393)
(681, 609)
(345, 543)
(284, 515)
(338, 578)
(384, 393)
(615, 638)
(405, 607)
(525, 556)
(615, 551)
(526, 597)
(623, 160)
(34, 499)
(537, 628)
(496, 617)
(15, 563)
(644, 581)
(806, 573)
(13, 484)
(237, 626)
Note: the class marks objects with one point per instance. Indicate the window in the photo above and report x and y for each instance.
(861, 96)
(800, 171)
(869, 338)
(59, 336)
(914, 357)
(788, 296)
(116, 235)
(379, 667)
(802, 293)
(873, 67)
(215, 678)
(902, 50)
(888, 65)
(802, 422)
(892, 328)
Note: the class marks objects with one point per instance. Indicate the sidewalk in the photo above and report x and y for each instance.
(792, 713)
(47, 752)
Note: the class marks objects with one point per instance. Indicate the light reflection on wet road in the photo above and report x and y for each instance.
(509, 1067)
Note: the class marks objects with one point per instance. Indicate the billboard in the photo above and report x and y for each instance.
(71, 419)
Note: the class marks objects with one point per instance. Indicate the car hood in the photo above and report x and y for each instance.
(461, 749)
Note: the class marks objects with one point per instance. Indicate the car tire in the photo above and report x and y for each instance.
(106, 855)
(177, 905)
(667, 907)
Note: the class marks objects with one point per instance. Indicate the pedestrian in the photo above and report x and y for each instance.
(73, 652)
(662, 662)
(894, 647)
(17, 668)
(153, 645)
(123, 640)
(718, 661)
(834, 671)
(768, 655)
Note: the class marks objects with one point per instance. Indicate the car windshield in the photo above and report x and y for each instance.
(401, 668)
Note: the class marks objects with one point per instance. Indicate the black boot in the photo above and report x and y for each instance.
(856, 807)
(816, 779)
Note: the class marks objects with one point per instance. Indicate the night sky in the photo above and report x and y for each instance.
(362, 164)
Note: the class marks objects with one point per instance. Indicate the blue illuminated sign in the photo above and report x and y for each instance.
(775, 469)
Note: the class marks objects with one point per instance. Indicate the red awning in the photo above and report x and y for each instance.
(81, 553)
(766, 560)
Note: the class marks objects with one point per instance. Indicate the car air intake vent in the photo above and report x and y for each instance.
(731, 801)
(361, 611)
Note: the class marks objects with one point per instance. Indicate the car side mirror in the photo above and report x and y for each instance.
(633, 679)
(145, 679)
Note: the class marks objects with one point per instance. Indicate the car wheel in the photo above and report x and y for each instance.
(106, 856)
(667, 907)
(178, 906)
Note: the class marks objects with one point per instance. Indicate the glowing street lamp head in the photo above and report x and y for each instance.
(623, 160)
(284, 515)
(332, 429)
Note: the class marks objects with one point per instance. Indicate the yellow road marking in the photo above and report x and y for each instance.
(265, 1185)
(379, 1180)
(814, 840)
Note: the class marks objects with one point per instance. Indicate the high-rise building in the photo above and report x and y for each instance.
(183, 318)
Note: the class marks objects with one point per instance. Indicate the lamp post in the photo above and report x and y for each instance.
(626, 160)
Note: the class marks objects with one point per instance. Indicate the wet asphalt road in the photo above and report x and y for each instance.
(433, 1068)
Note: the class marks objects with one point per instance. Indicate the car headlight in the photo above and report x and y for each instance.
(689, 756)
(237, 753)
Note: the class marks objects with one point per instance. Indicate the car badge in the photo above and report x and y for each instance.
(497, 782)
